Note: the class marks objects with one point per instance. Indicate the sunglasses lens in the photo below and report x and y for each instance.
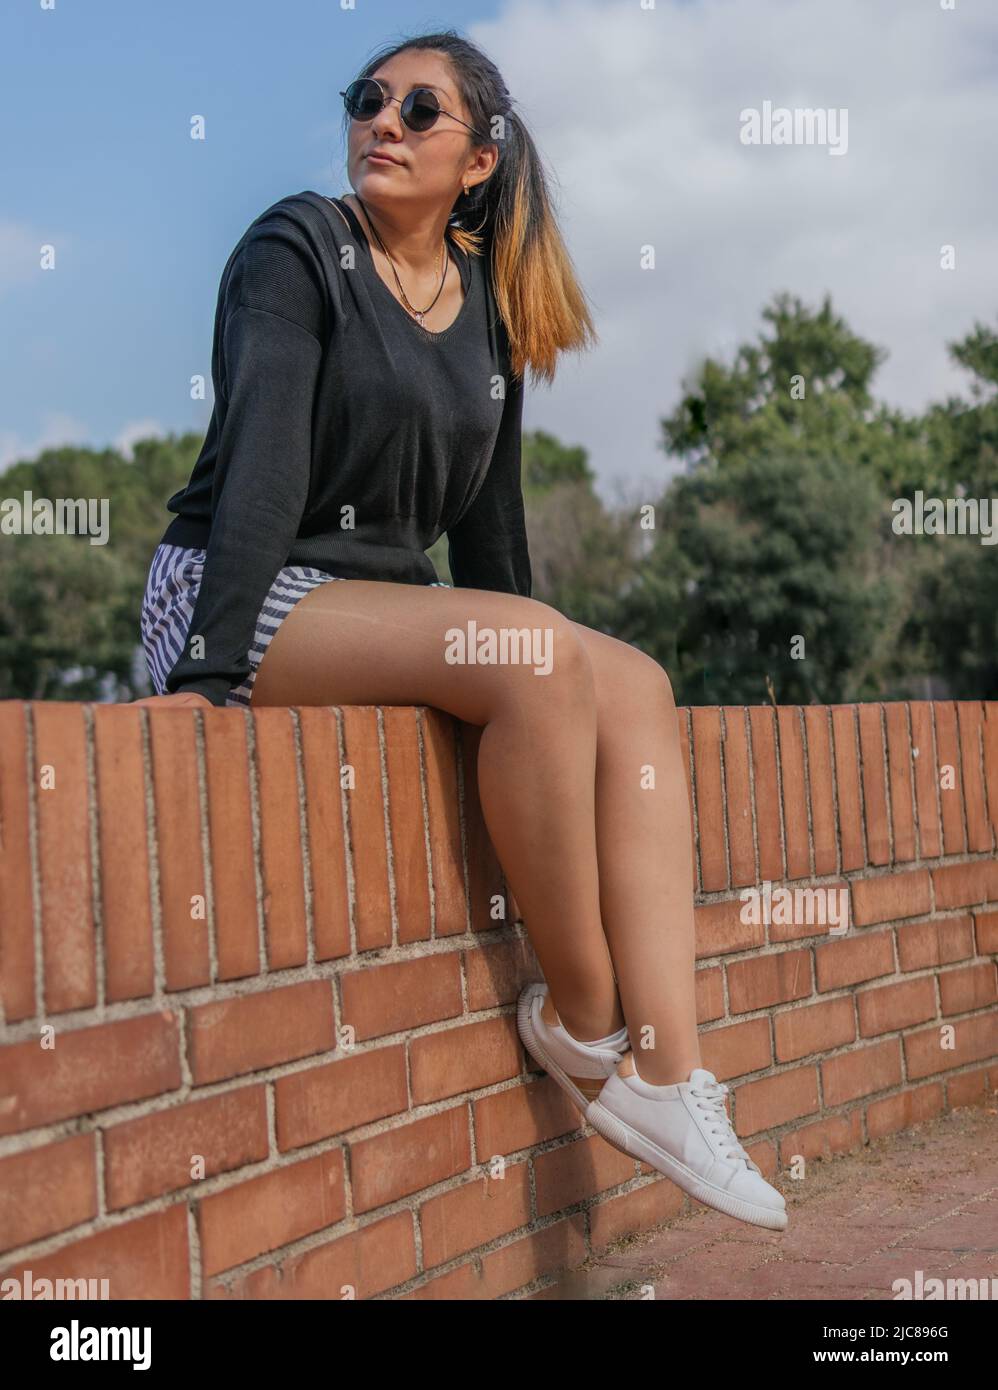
(420, 109)
(363, 99)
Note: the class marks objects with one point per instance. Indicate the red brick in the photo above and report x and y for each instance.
(574, 1172)
(17, 956)
(876, 1067)
(710, 797)
(233, 1036)
(410, 1158)
(970, 716)
(899, 771)
(926, 780)
(496, 973)
(822, 791)
(558, 1246)
(794, 792)
(182, 881)
(775, 1100)
(446, 854)
(479, 1211)
(88, 1069)
(871, 742)
(848, 787)
(986, 926)
(358, 1265)
(835, 1134)
(521, 1117)
(405, 816)
(147, 1258)
(230, 828)
(761, 982)
(969, 987)
(153, 1154)
(719, 928)
(889, 1008)
(326, 834)
(124, 853)
(990, 742)
(890, 897)
(851, 961)
(737, 1048)
(961, 885)
(328, 1100)
(935, 943)
(975, 1039)
(814, 1028)
(282, 867)
(738, 796)
(394, 997)
(462, 1059)
(709, 987)
(48, 1189)
(271, 1210)
(643, 1209)
(64, 856)
(950, 792)
(762, 723)
(895, 1113)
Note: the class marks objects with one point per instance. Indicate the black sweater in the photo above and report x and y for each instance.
(344, 435)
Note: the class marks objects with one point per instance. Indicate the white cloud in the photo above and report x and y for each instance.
(60, 429)
(638, 122)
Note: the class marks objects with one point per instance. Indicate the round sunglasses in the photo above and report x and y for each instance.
(420, 110)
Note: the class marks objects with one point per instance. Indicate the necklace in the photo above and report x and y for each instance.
(418, 314)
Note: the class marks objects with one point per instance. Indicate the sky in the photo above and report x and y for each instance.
(679, 231)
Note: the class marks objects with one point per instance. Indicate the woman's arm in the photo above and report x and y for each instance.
(270, 352)
(487, 548)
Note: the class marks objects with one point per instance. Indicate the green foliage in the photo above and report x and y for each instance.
(69, 610)
(770, 569)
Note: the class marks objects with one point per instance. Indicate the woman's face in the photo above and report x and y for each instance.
(433, 164)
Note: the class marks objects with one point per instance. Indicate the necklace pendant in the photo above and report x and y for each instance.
(419, 318)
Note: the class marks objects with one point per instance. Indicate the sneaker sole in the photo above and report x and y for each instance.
(537, 1050)
(624, 1137)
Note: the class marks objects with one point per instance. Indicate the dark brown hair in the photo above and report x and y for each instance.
(509, 216)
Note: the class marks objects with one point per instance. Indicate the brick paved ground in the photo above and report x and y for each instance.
(926, 1198)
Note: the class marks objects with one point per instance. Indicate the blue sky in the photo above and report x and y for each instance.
(96, 100)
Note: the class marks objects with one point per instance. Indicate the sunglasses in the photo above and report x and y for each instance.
(420, 110)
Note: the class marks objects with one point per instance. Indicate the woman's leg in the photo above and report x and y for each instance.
(367, 642)
(645, 857)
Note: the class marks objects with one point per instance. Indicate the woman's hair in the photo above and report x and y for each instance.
(539, 299)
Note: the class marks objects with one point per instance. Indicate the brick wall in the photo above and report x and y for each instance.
(197, 908)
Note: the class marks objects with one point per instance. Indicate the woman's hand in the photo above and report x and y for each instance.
(182, 697)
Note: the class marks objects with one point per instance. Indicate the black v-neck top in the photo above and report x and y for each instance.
(344, 435)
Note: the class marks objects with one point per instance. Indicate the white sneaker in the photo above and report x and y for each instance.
(684, 1132)
(580, 1069)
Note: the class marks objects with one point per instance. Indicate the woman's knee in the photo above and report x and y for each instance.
(548, 642)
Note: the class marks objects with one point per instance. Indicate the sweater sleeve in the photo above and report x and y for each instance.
(268, 357)
(487, 548)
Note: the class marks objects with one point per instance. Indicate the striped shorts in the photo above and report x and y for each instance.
(168, 607)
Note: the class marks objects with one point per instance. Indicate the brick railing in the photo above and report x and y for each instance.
(258, 1015)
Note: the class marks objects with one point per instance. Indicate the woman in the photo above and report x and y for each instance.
(368, 361)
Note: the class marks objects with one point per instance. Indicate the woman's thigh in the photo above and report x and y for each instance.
(367, 642)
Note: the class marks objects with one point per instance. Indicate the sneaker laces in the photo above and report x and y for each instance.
(711, 1098)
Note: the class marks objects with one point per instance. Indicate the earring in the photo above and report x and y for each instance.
(466, 192)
